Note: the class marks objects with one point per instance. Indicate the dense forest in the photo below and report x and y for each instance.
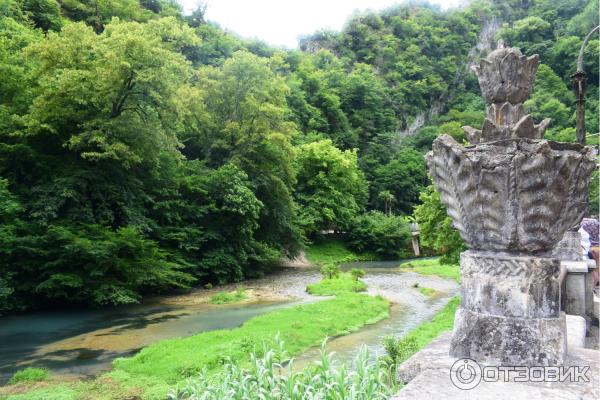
(143, 150)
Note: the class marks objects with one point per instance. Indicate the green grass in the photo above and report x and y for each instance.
(228, 297)
(423, 334)
(432, 267)
(300, 327)
(330, 287)
(427, 292)
(150, 373)
(264, 379)
(333, 251)
(56, 392)
(29, 375)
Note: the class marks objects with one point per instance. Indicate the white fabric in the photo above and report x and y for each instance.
(585, 242)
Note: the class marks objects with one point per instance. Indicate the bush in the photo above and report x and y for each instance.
(357, 273)
(29, 375)
(386, 236)
(397, 351)
(332, 287)
(229, 297)
(266, 378)
(330, 271)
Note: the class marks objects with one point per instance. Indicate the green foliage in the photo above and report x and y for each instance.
(532, 35)
(99, 13)
(331, 189)
(397, 351)
(594, 195)
(300, 327)
(333, 250)
(584, 19)
(404, 177)
(208, 219)
(400, 350)
(551, 98)
(357, 273)
(229, 297)
(245, 124)
(216, 156)
(330, 271)
(87, 264)
(417, 52)
(105, 97)
(336, 285)
(436, 230)
(268, 378)
(386, 236)
(45, 14)
(29, 375)
(432, 267)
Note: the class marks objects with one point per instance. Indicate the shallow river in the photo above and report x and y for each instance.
(83, 343)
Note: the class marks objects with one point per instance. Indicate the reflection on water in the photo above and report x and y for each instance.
(84, 342)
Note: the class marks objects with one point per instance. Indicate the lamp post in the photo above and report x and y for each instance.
(579, 84)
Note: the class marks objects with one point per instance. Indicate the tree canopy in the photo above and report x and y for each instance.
(143, 150)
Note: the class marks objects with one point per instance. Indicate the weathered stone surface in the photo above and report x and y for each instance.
(499, 340)
(514, 195)
(427, 376)
(504, 285)
(507, 75)
(577, 288)
(569, 247)
(510, 310)
(576, 330)
(505, 121)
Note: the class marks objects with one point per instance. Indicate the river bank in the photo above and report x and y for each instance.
(90, 352)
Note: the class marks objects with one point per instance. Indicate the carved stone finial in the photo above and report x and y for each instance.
(507, 75)
(506, 79)
(506, 121)
(517, 196)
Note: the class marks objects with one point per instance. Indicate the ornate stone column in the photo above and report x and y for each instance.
(511, 195)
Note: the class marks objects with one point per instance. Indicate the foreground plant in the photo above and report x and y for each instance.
(357, 273)
(397, 351)
(29, 375)
(271, 377)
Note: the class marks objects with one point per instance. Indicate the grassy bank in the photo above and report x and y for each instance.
(150, 373)
(443, 321)
(399, 350)
(432, 267)
(335, 286)
(333, 251)
(422, 335)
